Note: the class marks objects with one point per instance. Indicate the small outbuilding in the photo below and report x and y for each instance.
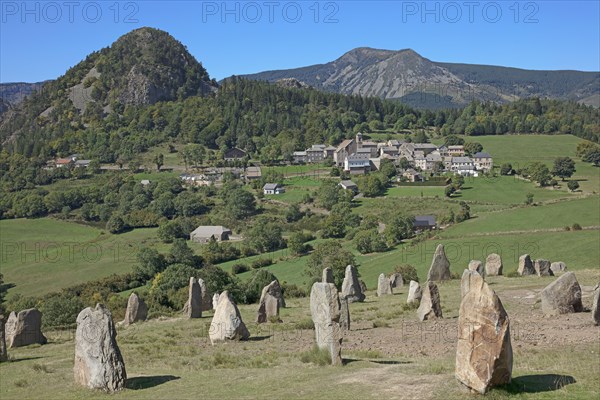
(203, 234)
(273, 188)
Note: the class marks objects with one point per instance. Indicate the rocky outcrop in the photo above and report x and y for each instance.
(562, 296)
(98, 360)
(325, 309)
(227, 322)
(440, 266)
(484, 356)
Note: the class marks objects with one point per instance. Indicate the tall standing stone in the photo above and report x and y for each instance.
(562, 296)
(396, 280)
(327, 275)
(193, 306)
(430, 307)
(98, 360)
(325, 309)
(271, 299)
(136, 310)
(24, 328)
(440, 266)
(542, 267)
(596, 305)
(558, 267)
(384, 286)
(526, 265)
(493, 265)
(206, 297)
(344, 314)
(484, 352)
(351, 286)
(476, 265)
(414, 292)
(227, 322)
(3, 353)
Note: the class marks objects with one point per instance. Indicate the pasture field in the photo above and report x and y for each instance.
(387, 353)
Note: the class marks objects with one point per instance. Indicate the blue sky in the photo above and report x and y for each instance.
(43, 39)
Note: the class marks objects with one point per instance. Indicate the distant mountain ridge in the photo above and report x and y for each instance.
(407, 76)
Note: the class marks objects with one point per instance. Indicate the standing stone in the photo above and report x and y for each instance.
(414, 292)
(206, 297)
(325, 309)
(562, 296)
(351, 286)
(98, 360)
(430, 302)
(493, 265)
(215, 301)
(24, 328)
(526, 266)
(542, 268)
(596, 305)
(3, 353)
(193, 306)
(476, 265)
(327, 275)
(270, 301)
(227, 322)
(558, 267)
(440, 266)
(484, 352)
(344, 314)
(136, 310)
(396, 280)
(363, 286)
(384, 286)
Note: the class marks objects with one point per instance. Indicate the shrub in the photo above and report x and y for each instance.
(567, 228)
(305, 323)
(576, 227)
(61, 311)
(239, 268)
(408, 272)
(261, 262)
(316, 356)
(380, 324)
(291, 290)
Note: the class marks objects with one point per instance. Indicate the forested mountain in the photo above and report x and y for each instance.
(417, 81)
(13, 93)
(146, 89)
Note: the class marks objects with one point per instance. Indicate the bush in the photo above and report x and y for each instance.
(290, 290)
(60, 311)
(408, 272)
(239, 268)
(576, 227)
(261, 262)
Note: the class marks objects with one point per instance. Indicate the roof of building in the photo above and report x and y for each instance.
(330, 148)
(299, 153)
(63, 160)
(271, 186)
(345, 144)
(208, 231)
(363, 150)
(317, 147)
(348, 184)
(461, 160)
(482, 154)
(424, 220)
(424, 146)
(253, 171)
(456, 147)
(83, 162)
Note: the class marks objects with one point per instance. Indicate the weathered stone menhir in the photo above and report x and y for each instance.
(430, 307)
(558, 267)
(414, 292)
(136, 310)
(344, 314)
(440, 266)
(227, 322)
(327, 275)
(3, 352)
(24, 328)
(396, 280)
(526, 265)
(206, 297)
(193, 306)
(562, 296)
(542, 267)
(384, 286)
(351, 286)
(271, 299)
(476, 265)
(596, 305)
(493, 265)
(98, 360)
(484, 352)
(325, 309)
